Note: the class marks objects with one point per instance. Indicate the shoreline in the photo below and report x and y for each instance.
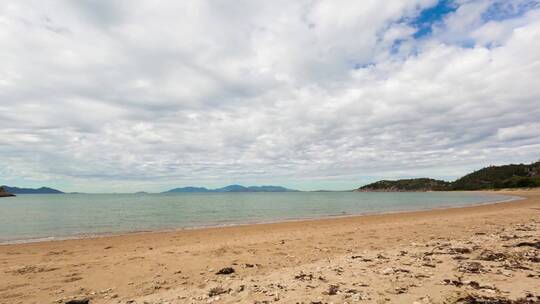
(427, 257)
(46, 239)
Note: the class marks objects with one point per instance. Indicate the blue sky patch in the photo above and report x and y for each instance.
(502, 10)
(394, 49)
(430, 16)
(358, 66)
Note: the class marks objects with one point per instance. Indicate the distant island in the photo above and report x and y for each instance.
(4, 193)
(42, 190)
(231, 188)
(492, 177)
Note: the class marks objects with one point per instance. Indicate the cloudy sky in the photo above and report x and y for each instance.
(106, 96)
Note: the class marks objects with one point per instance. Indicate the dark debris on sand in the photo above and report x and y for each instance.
(226, 270)
(529, 244)
(333, 290)
(216, 291)
(475, 299)
(472, 284)
(471, 267)
(488, 255)
(80, 301)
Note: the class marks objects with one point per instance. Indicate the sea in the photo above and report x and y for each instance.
(42, 217)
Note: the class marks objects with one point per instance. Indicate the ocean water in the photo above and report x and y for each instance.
(54, 216)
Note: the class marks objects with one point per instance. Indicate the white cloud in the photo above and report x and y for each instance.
(103, 96)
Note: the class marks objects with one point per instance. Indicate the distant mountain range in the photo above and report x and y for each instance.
(231, 188)
(492, 177)
(42, 190)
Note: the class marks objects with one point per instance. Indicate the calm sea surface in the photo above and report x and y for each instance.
(38, 217)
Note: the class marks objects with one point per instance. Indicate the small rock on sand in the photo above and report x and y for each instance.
(79, 301)
(226, 270)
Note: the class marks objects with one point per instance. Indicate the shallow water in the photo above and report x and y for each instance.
(38, 217)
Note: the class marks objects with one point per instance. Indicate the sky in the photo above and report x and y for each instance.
(121, 96)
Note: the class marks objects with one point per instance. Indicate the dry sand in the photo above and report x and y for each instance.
(436, 256)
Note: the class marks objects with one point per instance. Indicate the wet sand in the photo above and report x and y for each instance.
(437, 256)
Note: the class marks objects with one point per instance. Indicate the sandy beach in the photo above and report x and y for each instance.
(437, 256)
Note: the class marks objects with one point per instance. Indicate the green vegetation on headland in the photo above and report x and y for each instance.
(4, 193)
(413, 184)
(493, 177)
(498, 177)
